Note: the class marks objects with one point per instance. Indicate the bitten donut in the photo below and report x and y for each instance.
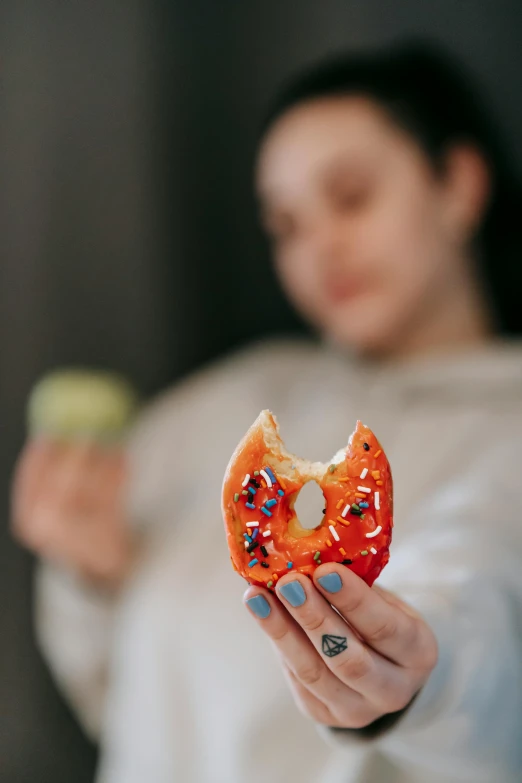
(261, 485)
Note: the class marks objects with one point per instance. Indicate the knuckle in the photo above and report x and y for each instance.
(352, 603)
(387, 630)
(313, 623)
(309, 674)
(355, 668)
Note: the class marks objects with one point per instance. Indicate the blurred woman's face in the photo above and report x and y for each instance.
(361, 226)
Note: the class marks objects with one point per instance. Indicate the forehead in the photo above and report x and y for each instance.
(314, 137)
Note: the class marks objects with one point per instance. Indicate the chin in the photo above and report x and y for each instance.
(365, 332)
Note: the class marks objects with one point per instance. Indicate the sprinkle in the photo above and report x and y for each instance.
(366, 447)
(250, 505)
(245, 535)
(272, 477)
(364, 505)
(293, 467)
(339, 503)
(364, 552)
(266, 533)
(263, 483)
(331, 468)
(281, 482)
(266, 478)
(347, 562)
(264, 550)
(373, 550)
(343, 521)
(364, 473)
(256, 473)
(324, 511)
(255, 531)
(364, 489)
(374, 532)
(254, 482)
(252, 524)
(244, 492)
(236, 497)
(377, 501)
(266, 511)
(332, 522)
(344, 478)
(342, 551)
(317, 556)
(270, 503)
(334, 533)
(275, 577)
(265, 565)
(251, 490)
(379, 483)
(376, 474)
(269, 583)
(359, 495)
(356, 506)
(377, 454)
(253, 562)
(252, 546)
(246, 544)
(345, 510)
(328, 542)
(246, 480)
(289, 564)
(280, 493)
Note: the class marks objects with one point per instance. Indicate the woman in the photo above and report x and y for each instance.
(391, 213)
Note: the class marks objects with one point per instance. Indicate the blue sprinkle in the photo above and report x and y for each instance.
(245, 535)
(266, 511)
(274, 480)
(270, 503)
(363, 505)
(253, 562)
(252, 489)
(293, 467)
(280, 492)
(289, 565)
(255, 531)
(249, 505)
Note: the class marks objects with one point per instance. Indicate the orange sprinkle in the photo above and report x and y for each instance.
(340, 503)
(376, 474)
(332, 522)
(328, 542)
(281, 482)
(342, 551)
(377, 454)
(379, 483)
(275, 577)
(360, 495)
(343, 521)
(263, 483)
(344, 478)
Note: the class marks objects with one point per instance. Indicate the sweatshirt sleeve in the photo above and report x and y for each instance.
(462, 572)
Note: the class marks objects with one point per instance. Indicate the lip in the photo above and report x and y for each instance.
(338, 291)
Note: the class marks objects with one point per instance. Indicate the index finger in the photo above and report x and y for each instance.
(390, 628)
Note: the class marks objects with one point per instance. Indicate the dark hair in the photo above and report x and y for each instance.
(429, 94)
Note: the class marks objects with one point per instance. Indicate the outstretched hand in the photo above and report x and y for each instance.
(351, 653)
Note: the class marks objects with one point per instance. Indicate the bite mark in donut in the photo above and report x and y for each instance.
(260, 488)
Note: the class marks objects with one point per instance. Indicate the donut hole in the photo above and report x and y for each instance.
(309, 505)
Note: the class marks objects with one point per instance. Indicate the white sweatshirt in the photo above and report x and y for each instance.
(179, 682)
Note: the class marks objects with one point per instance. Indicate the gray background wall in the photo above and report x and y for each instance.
(126, 138)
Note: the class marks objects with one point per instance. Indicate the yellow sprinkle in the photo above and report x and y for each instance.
(339, 504)
(332, 522)
(376, 474)
(343, 521)
(342, 551)
(377, 454)
(275, 577)
(281, 482)
(328, 542)
(379, 483)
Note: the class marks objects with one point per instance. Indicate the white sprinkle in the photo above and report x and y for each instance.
(246, 480)
(246, 544)
(346, 510)
(252, 524)
(334, 532)
(266, 533)
(373, 550)
(374, 532)
(266, 478)
(377, 502)
(364, 489)
(364, 473)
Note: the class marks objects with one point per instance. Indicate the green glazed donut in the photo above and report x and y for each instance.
(71, 404)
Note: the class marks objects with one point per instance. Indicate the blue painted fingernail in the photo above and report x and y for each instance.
(293, 592)
(331, 582)
(259, 606)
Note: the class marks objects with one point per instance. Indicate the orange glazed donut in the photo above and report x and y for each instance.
(261, 485)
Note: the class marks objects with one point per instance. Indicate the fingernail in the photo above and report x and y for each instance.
(331, 582)
(259, 606)
(293, 592)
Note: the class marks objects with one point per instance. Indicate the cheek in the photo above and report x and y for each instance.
(299, 277)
